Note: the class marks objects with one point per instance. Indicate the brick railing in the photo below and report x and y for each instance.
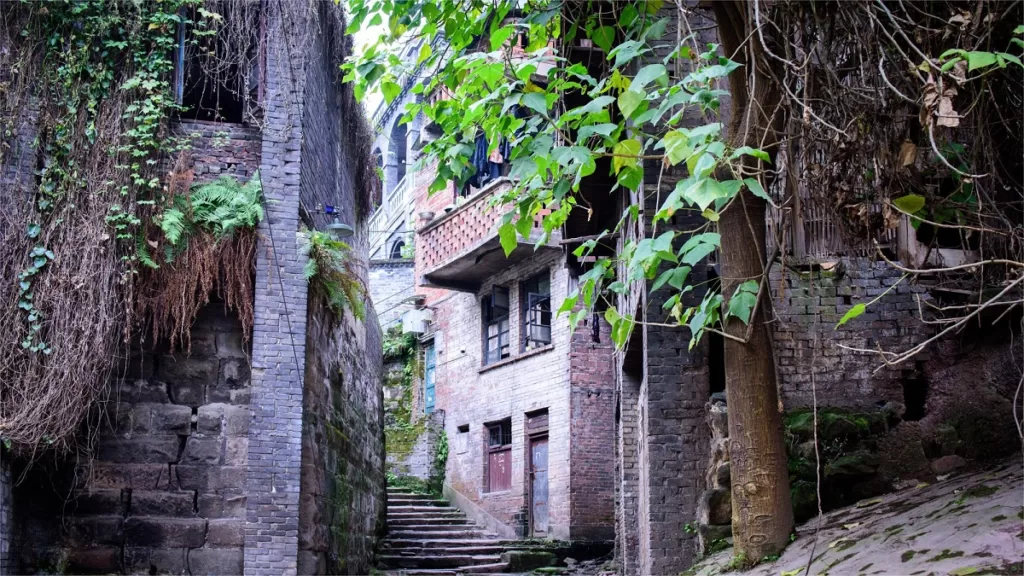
(449, 236)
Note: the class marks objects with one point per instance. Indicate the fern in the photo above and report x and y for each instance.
(142, 249)
(330, 265)
(218, 208)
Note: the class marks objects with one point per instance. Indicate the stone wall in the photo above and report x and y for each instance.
(342, 507)
(391, 284)
(217, 149)
(6, 516)
(165, 488)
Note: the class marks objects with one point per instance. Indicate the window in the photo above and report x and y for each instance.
(496, 344)
(498, 474)
(396, 249)
(535, 298)
(430, 364)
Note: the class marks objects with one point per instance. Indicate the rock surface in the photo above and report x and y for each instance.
(969, 524)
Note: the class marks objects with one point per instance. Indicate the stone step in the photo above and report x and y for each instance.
(448, 561)
(438, 513)
(425, 572)
(423, 529)
(426, 521)
(392, 502)
(440, 532)
(495, 568)
(453, 551)
(440, 543)
(418, 507)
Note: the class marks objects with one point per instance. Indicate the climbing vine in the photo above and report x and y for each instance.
(85, 95)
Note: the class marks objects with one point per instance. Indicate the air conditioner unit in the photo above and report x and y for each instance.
(416, 321)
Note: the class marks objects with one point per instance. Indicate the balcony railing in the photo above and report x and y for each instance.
(397, 203)
(460, 249)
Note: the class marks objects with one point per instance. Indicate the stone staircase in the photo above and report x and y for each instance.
(426, 536)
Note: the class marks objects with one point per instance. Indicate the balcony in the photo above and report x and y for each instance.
(397, 203)
(460, 250)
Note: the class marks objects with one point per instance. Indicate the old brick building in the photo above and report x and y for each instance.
(262, 456)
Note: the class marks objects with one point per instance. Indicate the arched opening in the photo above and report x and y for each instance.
(397, 148)
(378, 197)
(396, 249)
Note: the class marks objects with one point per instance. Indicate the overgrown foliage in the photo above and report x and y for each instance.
(331, 266)
(857, 110)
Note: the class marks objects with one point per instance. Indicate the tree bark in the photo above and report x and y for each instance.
(762, 511)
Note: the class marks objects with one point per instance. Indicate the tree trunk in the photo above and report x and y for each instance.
(762, 511)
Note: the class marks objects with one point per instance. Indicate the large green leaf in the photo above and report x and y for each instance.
(742, 302)
(507, 237)
(625, 153)
(851, 314)
(910, 203)
(629, 101)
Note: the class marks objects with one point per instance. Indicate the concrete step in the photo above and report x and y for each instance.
(440, 543)
(418, 507)
(426, 520)
(449, 561)
(440, 532)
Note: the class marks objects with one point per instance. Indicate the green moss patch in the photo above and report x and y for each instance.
(946, 555)
(907, 556)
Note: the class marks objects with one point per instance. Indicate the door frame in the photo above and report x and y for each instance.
(530, 475)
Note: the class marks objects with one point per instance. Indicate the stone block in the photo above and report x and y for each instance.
(227, 504)
(236, 450)
(201, 449)
(135, 391)
(146, 560)
(134, 476)
(947, 464)
(225, 533)
(99, 502)
(209, 478)
(231, 345)
(718, 503)
(525, 560)
(181, 369)
(140, 450)
(105, 560)
(235, 373)
(162, 503)
(170, 418)
(224, 419)
(215, 561)
(95, 531)
(188, 393)
(164, 532)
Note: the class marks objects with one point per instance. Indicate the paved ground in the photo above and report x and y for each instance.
(967, 525)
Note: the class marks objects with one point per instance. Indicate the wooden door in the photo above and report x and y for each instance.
(539, 485)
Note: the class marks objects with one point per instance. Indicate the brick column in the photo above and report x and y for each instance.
(279, 334)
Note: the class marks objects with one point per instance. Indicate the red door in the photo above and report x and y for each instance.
(539, 485)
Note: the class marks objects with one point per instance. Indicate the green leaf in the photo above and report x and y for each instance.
(674, 278)
(389, 90)
(603, 36)
(742, 302)
(1010, 58)
(710, 215)
(698, 247)
(34, 230)
(977, 60)
(499, 37)
(602, 129)
(425, 52)
(910, 203)
(677, 146)
(853, 313)
(629, 101)
(748, 151)
(536, 102)
(625, 154)
(648, 74)
(507, 237)
(755, 188)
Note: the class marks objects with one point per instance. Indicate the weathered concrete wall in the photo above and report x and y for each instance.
(342, 506)
(164, 491)
(391, 283)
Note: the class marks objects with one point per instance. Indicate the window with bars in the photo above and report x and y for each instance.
(496, 325)
(535, 302)
(498, 474)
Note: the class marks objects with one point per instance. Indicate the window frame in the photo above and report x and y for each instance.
(532, 309)
(497, 316)
(492, 451)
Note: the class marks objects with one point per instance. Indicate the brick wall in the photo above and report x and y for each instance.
(391, 282)
(592, 432)
(279, 333)
(218, 148)
(808, 305)
(342, 506)
(473, 395)
(164, 491)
